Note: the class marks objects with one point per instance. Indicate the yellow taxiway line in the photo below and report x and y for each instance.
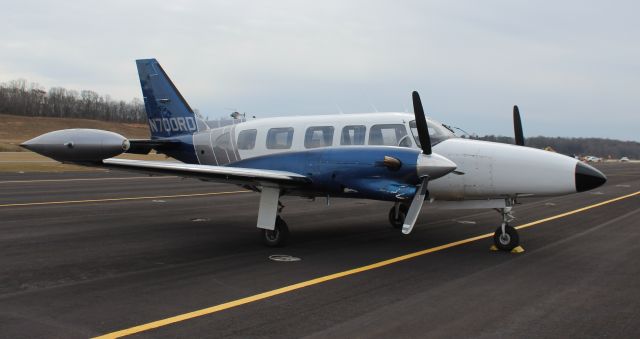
(319, 280)
(63, 202)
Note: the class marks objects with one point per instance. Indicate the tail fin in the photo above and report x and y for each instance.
(169, 115)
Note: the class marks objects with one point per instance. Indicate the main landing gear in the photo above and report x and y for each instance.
(397, 214)
(506, 236)
(278, 236)
(273, 230)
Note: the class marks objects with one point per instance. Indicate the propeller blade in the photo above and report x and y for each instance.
(416, 206)
(421, 124)
(517, 126)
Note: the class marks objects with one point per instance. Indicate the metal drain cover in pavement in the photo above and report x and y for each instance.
(283, 257)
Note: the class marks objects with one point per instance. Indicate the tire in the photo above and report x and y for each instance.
(402, 214)
(510, 240)
(278, 237)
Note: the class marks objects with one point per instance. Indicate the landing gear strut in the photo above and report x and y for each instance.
(397, 214)
(506, 236)
(273, 230)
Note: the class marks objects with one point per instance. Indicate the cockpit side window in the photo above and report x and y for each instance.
(280, 138)
(389, 135)
(318, 136)
(247, 139)
(353, 135)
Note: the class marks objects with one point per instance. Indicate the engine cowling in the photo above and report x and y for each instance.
(78, 145)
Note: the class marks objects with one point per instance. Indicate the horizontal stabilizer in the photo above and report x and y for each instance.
(144, 146)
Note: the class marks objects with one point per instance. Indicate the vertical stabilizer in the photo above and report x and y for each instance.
(168, 113)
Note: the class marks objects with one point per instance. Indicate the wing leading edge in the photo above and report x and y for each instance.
(223, 174)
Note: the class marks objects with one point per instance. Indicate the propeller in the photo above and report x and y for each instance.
(429, 166)
(517, 126)
(421, 124)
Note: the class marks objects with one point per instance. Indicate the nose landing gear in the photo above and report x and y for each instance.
(506, 236)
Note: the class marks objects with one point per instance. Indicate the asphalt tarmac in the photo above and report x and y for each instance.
(166, 257)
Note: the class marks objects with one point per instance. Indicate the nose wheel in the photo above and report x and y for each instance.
(506, 238)
(278, 236)
(397, 214)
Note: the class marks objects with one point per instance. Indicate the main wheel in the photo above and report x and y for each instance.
(402, 213)
(507, 241)
(278, 237)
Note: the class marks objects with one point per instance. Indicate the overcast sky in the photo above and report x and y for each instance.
(573, 67)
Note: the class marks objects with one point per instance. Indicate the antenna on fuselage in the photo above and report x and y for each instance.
(237, 115)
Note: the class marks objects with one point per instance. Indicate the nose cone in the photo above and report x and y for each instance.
(434, 165)
(588, 177)
(32, 145)
(26, 144)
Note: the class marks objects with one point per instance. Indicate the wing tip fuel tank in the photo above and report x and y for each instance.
(78, 145)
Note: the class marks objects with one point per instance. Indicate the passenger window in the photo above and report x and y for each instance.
(247, 139)
(389, 135)
(280, 138)
(353, 135)
(318, 136)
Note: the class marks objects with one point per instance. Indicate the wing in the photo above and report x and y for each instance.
(225, 174)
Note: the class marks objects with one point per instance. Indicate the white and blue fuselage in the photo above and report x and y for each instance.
(485, 170)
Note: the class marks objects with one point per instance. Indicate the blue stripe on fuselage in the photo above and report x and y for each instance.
(355, 171)
(183, 151)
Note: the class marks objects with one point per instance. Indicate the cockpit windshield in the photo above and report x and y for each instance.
(437, 132)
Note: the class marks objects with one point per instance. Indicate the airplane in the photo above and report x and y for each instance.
(406, 159)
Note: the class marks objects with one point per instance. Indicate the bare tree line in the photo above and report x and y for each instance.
(18, 97)
(605, 148)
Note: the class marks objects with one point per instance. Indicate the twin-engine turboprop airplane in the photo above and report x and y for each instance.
(397, 157)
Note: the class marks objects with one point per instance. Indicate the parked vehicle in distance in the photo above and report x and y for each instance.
(591, 158)
(624, 159)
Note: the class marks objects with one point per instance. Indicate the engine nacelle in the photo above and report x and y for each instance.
(78, 145)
